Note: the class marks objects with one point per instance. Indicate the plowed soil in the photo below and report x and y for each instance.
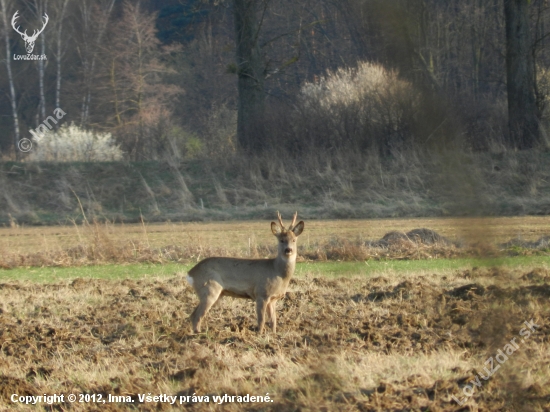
(379, 344)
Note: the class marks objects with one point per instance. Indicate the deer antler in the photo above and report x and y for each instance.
(293, 221)
(280, 220)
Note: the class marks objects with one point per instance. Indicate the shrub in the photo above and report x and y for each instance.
(364, 107)
(184, 144)
(219, 133)
(72, 144)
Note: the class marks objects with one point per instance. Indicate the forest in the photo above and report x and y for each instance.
(351, 108)
(170, 77)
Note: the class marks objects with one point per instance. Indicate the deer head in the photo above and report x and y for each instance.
(287, 236)
(29, 40)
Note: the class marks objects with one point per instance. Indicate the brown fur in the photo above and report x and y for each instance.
(262, 280)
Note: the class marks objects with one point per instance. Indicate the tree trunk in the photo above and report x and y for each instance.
(250, 70)
(41, 8)
(41, 73)
(59, 54)
(523, 119)
(91, 52)
(13, 99)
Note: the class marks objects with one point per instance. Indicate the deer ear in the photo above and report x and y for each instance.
(299, 228)
(275, 228)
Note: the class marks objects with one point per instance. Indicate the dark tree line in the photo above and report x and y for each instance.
(207, 78)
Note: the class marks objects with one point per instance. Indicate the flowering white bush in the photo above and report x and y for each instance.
(347, 86)
(364, 106)
(73, 144)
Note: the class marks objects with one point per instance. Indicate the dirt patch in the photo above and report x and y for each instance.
(10, 385)
(467, 292)
(418, 236)
(353, 343)
(537, 275)
(391, 238)
(427, 236)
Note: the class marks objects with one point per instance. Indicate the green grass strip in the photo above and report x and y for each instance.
(115, 272)
(381, 267)
(330, 269)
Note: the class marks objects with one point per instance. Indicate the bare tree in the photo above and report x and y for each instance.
(522, 108)
(94, 20)
(131, 82)
(41, 7)
(6, 7)
(60, 47)
(250, 71)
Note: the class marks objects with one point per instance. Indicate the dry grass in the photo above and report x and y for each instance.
(344, 344)
(331, 184)
(96, 243)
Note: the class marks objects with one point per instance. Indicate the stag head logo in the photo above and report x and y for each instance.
(29, 40)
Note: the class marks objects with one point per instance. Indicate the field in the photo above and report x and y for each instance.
(100, 311)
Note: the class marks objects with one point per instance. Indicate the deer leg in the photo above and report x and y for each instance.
(272, 315)
(261, 306)
(208, 295)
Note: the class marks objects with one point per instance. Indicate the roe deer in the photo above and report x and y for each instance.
(262, 280)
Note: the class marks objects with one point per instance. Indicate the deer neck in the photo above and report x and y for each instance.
(285, 266)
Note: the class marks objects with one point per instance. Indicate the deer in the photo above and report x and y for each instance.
(29, 40)
(262, 280)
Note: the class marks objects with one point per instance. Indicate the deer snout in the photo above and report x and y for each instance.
(288, 251)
